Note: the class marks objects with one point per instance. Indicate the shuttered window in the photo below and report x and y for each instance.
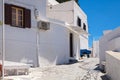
(8, 14)
(17, 16)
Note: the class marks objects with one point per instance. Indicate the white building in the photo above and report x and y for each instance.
(26, 42)
(95, 49)
(71, 13)
(109, 41)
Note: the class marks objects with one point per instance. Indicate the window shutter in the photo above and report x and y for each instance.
(8, 14)
(27, 18)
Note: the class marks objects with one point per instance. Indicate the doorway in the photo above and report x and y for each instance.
(71, 44)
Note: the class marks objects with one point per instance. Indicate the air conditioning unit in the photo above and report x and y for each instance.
(43, 25)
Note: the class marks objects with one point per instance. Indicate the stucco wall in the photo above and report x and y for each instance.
(52, 2)
(95, 49)
(113, 65)
(69, 12)
(31, 4)
(78, 12)
(109, 41)
(114, 44)
(83, 42)
(76, 46)
(0, 10)
(63, 12)
(0, 27)
(54, 45)
(21, 43)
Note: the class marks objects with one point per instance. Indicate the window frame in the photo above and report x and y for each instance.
(17, 9)
(26, 23)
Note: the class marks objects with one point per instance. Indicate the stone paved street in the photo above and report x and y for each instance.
(83, 70)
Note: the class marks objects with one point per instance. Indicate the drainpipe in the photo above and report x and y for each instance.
(37, 38)
(3, 41)
(36, 15)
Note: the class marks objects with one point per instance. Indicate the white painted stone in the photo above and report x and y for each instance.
(21, 43)
(109, 41)
(112, 65)
(95, 50)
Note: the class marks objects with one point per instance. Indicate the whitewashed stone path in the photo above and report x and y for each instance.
(83, 70)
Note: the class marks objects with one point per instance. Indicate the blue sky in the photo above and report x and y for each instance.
(102, 15)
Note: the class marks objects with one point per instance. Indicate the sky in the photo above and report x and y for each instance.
(102, 15)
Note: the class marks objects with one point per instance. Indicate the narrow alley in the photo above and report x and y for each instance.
(85, 69)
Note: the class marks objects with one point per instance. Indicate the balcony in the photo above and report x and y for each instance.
(77, 29)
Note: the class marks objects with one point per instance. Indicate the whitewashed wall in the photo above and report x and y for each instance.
(83, 42)
(78, 12)
(31, 4)
(109, 41)
(63, 12)
(114, 44)
(76, 47)
(21, 44)
(54, 45)
(52, 2)
(0, 28)
(113, 65)
(69, 12)
(95, 49)
(0, 10)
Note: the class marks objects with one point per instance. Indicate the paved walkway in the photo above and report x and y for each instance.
(83, 70)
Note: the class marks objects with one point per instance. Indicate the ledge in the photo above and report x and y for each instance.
(114, 54)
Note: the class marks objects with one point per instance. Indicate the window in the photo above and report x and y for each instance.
(17, 16)
(84, 26)
(79, 22)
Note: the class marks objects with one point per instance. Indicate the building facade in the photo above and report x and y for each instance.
(28, 42)
(95, 49)
(72, 14)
